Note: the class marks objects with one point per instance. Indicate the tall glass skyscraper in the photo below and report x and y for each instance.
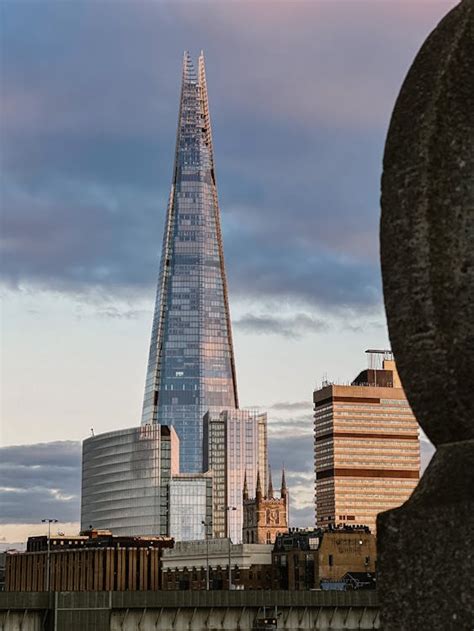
(191, 367)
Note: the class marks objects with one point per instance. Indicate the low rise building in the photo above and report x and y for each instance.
(94, 561)
(186, 565)
(303, 559)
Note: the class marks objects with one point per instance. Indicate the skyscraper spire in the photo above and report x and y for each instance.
(245, 492)
(191, 366)
(270, 484)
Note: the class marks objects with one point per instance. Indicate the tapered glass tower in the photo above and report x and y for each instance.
(191, 365)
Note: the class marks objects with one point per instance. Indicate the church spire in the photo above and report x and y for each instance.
(284, 490)
(245, 492)
(258, 491)
(270, 484)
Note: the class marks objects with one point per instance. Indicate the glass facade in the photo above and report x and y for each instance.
(190, 504)
(125, 478)
(191, 363)
(235, 447)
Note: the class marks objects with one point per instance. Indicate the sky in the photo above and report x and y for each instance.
(301, 95)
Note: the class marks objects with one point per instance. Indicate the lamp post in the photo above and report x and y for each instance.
(228, 509)
(49, 522)
(206, 525)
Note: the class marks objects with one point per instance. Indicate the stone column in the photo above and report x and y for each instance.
(426, 547)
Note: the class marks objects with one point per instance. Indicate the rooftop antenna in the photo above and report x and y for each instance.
(376, 358)
(92, 431)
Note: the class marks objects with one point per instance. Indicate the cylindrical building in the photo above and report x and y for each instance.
(125, 478)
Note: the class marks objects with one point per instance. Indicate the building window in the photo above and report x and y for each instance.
(331, 560)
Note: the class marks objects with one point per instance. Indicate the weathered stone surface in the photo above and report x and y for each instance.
(426, 549)
(427, 230)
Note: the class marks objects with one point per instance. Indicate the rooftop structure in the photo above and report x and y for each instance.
(94, 539)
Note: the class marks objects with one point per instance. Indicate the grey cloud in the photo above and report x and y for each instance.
(295, 453)
(41, 480)
(302, 517)
(292, 405)
(76, 247)
(293, 327)
(87, 137)
(116, 313)
(301, 425)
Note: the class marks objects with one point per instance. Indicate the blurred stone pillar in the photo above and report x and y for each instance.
(426, 547)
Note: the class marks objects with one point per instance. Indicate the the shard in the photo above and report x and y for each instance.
(191, 365)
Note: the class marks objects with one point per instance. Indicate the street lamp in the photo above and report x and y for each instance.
(49, 522)
(229, 508)
(207, 524)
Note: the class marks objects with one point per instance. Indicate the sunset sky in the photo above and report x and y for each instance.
(301, 95)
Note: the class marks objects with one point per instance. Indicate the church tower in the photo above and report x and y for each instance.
(265, 516)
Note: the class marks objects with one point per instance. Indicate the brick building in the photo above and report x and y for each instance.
(301, 559)
(95, 561)
(366, 446)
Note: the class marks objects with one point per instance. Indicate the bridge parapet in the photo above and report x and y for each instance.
(147, 611)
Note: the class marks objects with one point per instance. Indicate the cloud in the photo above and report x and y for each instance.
(293, 327)
(291, 406)
(115, 313)
(295, 453)
(88, 135)
(295, 426)
(38, 481)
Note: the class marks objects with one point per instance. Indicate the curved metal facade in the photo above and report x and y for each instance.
(125, 478)
(191, 362)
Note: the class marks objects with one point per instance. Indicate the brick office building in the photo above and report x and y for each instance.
(95, 561)
(366, 446)
(301, 559)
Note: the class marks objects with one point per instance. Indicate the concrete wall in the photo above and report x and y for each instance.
(111, 611)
